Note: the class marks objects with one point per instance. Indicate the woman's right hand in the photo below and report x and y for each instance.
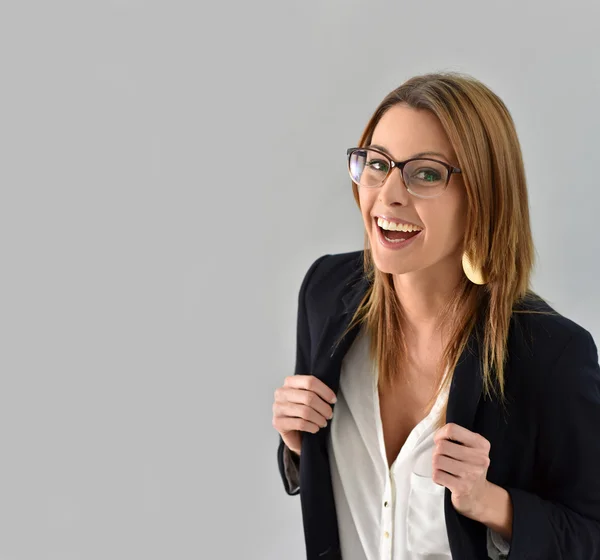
(301, 405)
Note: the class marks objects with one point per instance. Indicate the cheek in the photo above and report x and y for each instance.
(459, 205)
(366, 200)
(460, 215)
(456, 224)
(445, 221)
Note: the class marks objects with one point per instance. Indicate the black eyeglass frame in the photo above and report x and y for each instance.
(400, 165)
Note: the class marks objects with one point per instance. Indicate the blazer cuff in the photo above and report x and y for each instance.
(532, 534)
(291, 468)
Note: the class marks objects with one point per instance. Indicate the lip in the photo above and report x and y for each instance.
(396, 220)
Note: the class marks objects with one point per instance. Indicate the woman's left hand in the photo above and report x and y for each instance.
(460, 463)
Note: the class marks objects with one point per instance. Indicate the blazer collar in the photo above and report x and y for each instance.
(466, 386)
(356, 288)
(331, 348)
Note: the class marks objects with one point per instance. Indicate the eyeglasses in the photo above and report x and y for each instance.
(423, 177)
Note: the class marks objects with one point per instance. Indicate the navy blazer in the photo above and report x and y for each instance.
(545, 449)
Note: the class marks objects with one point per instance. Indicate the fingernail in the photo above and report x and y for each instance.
(334, 399)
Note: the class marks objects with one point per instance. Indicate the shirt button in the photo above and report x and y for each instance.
(385, 504)
(386, 535)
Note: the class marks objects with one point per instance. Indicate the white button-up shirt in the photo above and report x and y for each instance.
(385, 513)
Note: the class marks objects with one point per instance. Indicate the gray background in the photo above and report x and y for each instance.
(169, 172)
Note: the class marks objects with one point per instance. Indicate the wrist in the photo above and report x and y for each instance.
(496, 510)
(293, 453)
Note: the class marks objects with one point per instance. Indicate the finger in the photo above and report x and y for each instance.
(307, 398)
(311, 383)
(461, 435)
(444, 479)
(288, 424)
(457, 451)
(449, 465)
(295, 410)
(455, 433)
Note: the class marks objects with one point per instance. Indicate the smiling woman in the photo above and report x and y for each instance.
(465, 406)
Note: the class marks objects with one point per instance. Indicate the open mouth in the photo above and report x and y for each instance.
(396, 233)
(398, 236)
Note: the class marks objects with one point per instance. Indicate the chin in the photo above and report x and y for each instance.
(391, 265)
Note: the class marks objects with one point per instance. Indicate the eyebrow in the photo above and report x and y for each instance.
(418, 155)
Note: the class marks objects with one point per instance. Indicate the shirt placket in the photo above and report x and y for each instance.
(387, 520)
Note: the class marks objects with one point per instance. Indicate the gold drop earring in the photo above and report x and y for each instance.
(473, 273)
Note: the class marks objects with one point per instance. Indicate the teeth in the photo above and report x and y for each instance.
(390, 226)
(394, 240)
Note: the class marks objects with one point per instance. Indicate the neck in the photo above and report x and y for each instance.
(424, 293)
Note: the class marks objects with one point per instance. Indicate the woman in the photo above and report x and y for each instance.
(466, 409)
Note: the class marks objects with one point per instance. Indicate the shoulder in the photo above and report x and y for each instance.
(540, 326)
(328, 277)
(330, 273)
(553, 347)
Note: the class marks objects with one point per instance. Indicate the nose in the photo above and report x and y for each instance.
(393, 191)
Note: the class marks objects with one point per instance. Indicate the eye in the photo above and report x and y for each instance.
(378, 165)
(427, 175)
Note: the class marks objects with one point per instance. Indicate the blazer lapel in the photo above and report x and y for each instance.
(467, 537)
(331, 350)
(317, 500)
(466, 386)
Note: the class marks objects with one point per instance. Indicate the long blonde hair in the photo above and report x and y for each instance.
(497, 237)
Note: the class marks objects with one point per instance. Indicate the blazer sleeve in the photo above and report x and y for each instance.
(288, 461)
(562, 520)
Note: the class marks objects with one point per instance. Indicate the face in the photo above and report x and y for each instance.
(404, 132)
